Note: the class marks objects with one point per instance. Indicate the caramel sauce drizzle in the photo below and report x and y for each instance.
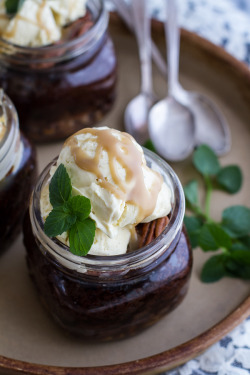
(72, 5)
(133, 190)
(11, 33)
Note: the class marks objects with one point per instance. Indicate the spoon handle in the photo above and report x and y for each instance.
(123, 10)
(142, 31)
(173, 46)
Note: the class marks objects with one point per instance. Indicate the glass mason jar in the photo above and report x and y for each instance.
(112, 297)
(61, 88)
(17, 176)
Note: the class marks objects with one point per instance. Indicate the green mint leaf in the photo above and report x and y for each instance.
(60, 187)
(213, 237)
(238, 245)
(69, 214)
(12, 6)
(58, 222)
(230, 178)
(193, 225)
(241, 256)
(205, 161)
(79, 206)
(236, 221)
(246, 241)
(238, 264)
(191, 192)
(150, 146)
(81, 236)
(214, 269)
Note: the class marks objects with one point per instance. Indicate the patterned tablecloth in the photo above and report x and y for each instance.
(225, 23)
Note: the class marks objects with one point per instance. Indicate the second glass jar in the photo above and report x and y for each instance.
(112, 297)
(64, 87)
(17, 176)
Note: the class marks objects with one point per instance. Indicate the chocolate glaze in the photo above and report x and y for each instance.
(15, 190)
(118, 308)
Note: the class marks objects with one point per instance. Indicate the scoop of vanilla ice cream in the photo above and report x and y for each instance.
(39, 22)
(33, 25)
(66, 11)
(115, 214)
(103, 245)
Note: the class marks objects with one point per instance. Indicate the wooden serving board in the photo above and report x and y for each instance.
(32, 344)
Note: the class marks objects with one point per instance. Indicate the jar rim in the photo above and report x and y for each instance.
(8, 143)
(38, 54)
(138, 256)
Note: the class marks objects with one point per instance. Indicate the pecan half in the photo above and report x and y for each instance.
(147, 232)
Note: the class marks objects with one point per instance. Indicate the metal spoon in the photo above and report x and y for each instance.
(136, 113)
(124, 12)
(211, 126)
(171, 124)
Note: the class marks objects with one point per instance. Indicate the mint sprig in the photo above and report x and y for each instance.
(13, 6)
(231, 235)
(149, 145)
(70, 214)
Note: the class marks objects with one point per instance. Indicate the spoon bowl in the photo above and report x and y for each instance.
(175, 124)
(136, 113)
(204, 125)
(171, 123)
(211, 126)
(136, 117)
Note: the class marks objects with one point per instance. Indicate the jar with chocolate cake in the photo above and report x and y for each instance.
(106, 247)
(17, 173)
(58, 65)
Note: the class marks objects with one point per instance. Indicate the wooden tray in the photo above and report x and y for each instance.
(32, 344)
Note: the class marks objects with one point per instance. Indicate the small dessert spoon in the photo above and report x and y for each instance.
(171, 123)
(136, 113)
(173, 129)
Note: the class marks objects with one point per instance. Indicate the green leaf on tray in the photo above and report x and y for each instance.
(232, 234)
(191, 192)
(236, 220)
(241, 256)
(238, 264)
(214, 269)
(239, 245)
(193, 225)
(205, 161)
(213, 237)
(230, 178)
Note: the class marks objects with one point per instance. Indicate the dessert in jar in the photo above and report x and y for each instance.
(17, 173)
(139, 261)
(58, 65)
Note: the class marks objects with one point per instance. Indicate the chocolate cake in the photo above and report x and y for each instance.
(114, 309)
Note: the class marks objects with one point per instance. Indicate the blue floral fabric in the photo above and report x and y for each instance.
(223, 22)
(230, 356)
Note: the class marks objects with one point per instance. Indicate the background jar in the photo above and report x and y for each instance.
(17, 176)
(113, 297)
(61, 88)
